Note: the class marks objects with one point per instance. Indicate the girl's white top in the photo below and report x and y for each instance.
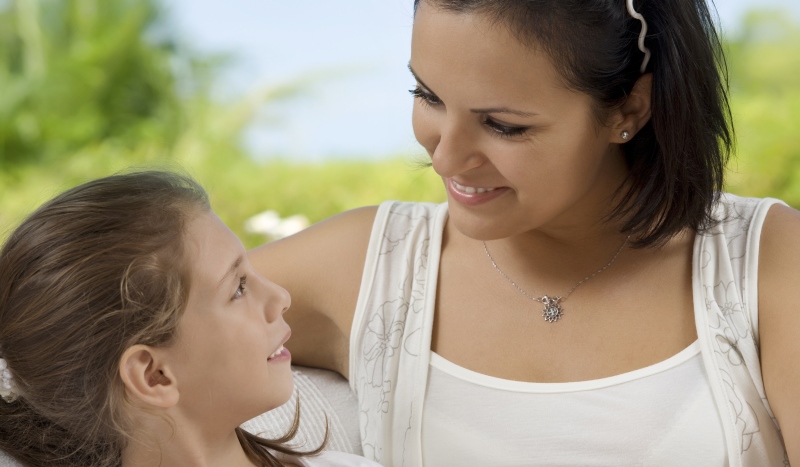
(390, 357)
(328, 459)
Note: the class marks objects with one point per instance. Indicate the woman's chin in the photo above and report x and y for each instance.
(478, 227)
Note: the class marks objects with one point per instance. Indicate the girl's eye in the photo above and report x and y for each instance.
(242, 290)
(425, 97)
(504, 131)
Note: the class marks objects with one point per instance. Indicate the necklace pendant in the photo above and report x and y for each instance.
(552, 309)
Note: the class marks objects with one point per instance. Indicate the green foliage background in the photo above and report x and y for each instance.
(764, 68)
(92, 87)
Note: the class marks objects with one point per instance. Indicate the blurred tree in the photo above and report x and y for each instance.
(92, 87)
(765, 56)
(80, 72)
(764, 63)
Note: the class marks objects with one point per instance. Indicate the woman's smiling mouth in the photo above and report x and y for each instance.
(470, 189)
(473, 196)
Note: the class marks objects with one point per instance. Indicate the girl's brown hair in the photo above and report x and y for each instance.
(92, 272)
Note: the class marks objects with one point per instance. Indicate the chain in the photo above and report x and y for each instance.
(553, 311)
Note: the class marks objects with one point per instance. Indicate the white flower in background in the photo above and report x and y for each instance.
(270, 224)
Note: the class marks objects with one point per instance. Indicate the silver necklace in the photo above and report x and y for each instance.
(552, 305)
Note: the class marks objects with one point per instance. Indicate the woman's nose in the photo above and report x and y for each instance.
(457, 150)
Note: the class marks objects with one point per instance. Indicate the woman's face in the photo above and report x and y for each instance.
(230, 367)
(517, 150)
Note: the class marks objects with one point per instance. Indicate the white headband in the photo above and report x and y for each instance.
(642, 35)
(7, 386)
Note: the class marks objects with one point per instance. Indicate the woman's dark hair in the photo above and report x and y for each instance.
(92, 272)
(677, 160)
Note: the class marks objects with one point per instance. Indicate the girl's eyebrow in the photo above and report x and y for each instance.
(492, 110)
(231, 271)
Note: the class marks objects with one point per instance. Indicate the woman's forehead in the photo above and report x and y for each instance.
(471, 53)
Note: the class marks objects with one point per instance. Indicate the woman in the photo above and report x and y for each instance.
(587, 296)
(134, 332)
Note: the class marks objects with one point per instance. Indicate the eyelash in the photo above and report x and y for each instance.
(498, 130)
(424, 97)
(504, 131)
(242, 290)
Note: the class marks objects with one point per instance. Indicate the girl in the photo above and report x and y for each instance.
(135, 332)
(588, 295)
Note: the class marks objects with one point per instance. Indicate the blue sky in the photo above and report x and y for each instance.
(356, 52)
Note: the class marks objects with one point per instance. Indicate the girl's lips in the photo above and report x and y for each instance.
(458, 194)
(281, 353)
(283, 356)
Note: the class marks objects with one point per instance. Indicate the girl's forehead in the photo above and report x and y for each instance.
(211, 249)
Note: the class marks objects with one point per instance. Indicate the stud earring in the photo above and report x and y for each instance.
(625, 135)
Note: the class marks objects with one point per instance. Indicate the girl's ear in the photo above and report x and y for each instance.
(635, 112)
(147, 377)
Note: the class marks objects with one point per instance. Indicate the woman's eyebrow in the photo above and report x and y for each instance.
(504, 110)
(492, 110)
(419, 80)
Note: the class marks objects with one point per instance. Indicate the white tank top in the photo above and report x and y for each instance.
(661, 415)
(397, 390)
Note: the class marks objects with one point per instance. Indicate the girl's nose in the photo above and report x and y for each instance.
(277, 301)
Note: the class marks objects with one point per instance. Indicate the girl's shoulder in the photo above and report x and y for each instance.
(331, 459)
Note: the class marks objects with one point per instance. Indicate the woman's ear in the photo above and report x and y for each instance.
(635, 112)
(147, 377)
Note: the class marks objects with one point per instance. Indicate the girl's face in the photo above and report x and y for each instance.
(231, 365)
(517, 150)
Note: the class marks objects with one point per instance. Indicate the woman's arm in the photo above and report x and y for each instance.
(779, 320)
(321, 267)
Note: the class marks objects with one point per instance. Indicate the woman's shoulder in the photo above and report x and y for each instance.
(343, 236)
(321, 269)
(338, 234)
(779, 318)
(782, 225)
(740, 220)
(426, 209)
(321, 256)
(779, 263)
(731, 207)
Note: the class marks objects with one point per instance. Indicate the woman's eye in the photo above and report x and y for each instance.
(498, 129)
(505, 131)
(425, 97)
(242, 290)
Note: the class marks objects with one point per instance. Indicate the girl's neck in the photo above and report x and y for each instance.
(184, 448)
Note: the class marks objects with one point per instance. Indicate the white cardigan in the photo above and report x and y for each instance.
(391, 333)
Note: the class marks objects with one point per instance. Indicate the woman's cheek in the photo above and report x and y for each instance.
(424, 123)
